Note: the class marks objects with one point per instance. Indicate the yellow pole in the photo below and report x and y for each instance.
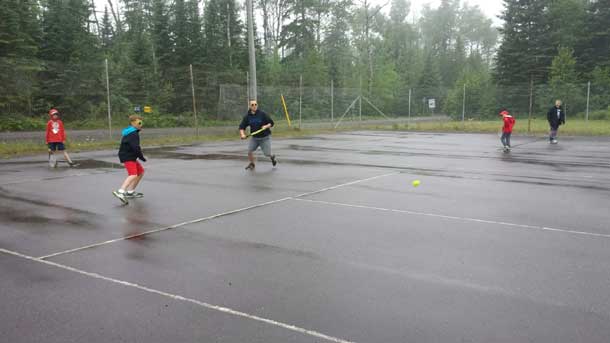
(285, 109)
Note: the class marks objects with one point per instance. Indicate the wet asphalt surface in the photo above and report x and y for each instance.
(491, 247)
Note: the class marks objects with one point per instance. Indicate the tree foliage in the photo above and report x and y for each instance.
(52, 52)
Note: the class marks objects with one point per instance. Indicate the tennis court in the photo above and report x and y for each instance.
(332, 245)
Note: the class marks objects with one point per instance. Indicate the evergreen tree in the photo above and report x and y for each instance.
(429, 86)
(225, 46)
(595, 49)
(567, 22)
(525, 51)
(563, 80)
(107, 34)
(194, 31)
(19, 38)
(73, 63)
(336, 48)
(298, 36)
(160, 37)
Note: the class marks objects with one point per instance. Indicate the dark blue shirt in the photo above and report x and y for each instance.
(256, 121)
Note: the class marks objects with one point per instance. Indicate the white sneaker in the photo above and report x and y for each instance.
(554, 141)
(121, 197)
(52, 161)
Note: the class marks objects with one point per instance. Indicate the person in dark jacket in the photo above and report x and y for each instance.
(556, 117)
(257, 120)
(129, 153)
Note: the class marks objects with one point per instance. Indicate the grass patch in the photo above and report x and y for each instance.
(577, 127)
(21, 148)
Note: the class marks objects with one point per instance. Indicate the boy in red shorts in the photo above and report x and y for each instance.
(129, 153)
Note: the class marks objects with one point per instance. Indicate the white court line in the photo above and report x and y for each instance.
(523, 226)
(198, 220)
(181, 298)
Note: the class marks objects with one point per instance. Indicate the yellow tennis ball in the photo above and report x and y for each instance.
(416, 183)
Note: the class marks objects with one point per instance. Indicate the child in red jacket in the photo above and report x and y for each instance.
(507, 129)
(55, 138)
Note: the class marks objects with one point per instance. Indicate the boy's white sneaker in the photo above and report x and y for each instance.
(121, 197)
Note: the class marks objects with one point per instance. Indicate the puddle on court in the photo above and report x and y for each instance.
(95, 164)
(164, 154)
(35, 218)
(82, 164)
(37, 213)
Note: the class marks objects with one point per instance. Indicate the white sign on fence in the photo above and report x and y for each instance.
(432, 103)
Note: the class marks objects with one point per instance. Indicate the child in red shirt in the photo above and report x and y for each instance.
(507, 129)
(55, 138)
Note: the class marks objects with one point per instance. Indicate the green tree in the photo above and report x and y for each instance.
(594, 50)
(107, 31)
(429, 85)
(72, 59)
(525, 51)
(567, 22)
(336, 48)
(480, 95)
(20, 36)
(161, 41)
(563, 81)
(298, 35)
(225, 47)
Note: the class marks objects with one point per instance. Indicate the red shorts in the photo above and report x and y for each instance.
(134, 168)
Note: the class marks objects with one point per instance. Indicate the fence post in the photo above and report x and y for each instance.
(409, 121)
(464, 104)
(108, 99)
(360, 101)
(194, 102)
(529, 118)
(332, 101)
(588, 93)
(300, 100)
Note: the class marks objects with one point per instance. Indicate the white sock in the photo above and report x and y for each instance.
(121, 190)
(131, 191)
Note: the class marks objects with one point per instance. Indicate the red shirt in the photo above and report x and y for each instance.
(509, 122)
(55, 131)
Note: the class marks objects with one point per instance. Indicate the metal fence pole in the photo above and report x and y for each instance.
(332, 101)
(529, 118)
(300, 100)
(360, 100)
(588, 93)
(108, 99)
(409, 122)
(194, 102)
(251, 50)
(464, 104)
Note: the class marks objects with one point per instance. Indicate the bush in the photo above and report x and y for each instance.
(595, 115)
(21, 123)
(600, 115)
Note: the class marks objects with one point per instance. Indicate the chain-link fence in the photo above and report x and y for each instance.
(104, 94)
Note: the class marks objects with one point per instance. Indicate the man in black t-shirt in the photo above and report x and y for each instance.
(257, 120)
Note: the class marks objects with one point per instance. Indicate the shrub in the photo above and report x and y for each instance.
(21, 123)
